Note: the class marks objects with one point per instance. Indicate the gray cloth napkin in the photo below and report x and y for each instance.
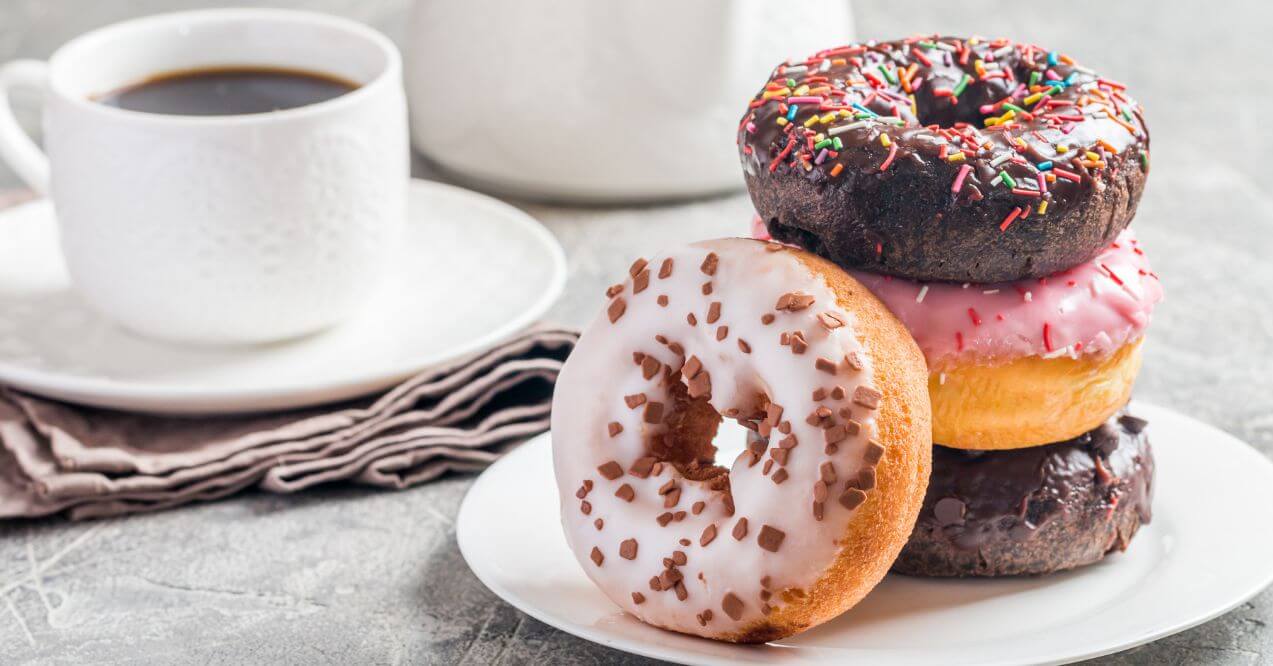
(90, 463)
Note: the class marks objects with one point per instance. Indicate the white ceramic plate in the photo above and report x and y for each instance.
(472, 271)
(1205, 552)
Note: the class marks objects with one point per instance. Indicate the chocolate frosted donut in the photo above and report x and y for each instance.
(1034, 510)
(936, 158)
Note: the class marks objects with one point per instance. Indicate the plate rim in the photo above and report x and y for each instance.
(1233, 444)
(192, 399)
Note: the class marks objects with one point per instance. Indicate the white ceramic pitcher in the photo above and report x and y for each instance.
(599, 100)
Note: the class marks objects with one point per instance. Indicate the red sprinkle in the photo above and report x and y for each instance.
(773, 166)
(1112, 275)
(888, 161)
(1047, 336)
(1007, 221)
(972, 314)
(959, 179)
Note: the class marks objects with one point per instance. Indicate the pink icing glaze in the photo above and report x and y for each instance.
(1093, 308)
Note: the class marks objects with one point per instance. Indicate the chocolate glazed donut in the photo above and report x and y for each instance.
(1034, 510)
(937, 158)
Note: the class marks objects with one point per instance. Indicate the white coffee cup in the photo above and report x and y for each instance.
(219, 229)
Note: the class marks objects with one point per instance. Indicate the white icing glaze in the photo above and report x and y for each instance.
(590, 394)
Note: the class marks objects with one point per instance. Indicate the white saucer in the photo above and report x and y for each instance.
(1207, 550)
(472, 271)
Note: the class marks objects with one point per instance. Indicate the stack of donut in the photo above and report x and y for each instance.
(943, 286)
(982, 190)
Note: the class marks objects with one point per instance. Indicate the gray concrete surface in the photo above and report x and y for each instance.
(344, 575)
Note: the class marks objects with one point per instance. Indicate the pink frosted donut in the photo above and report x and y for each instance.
(802, 524)
(1094, 308)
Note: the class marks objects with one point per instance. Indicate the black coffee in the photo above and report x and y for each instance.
(227, 91)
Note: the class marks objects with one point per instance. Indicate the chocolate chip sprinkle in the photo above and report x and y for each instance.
(732, 605)
(653, 412)
(665, 269)
(650, 367)
(638, 598)
(710, 262)
(662, 300)
(831, 320)
(825, 364)
(866, 478)
(798, 344)
(641, 467)
(641, 281)
(635, 400)
(597, 557)
(793, 301)
(614, 428)
(867, 397)
(767, 318)
(625, 493)
(770, 538)
(614, 290)
(713, 312)
(628, 549)
(672, 499)
(708, 536)
(610, 470)
(617, 307)
(851, 498)
(740, 529)
(819, 491)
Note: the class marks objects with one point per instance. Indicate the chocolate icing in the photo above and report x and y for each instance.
(1033, 510)
(883, 198)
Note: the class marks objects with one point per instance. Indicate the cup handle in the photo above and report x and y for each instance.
(16, 148)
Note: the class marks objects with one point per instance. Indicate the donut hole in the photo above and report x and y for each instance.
(939, 110)
(688, 443)
(699, 442)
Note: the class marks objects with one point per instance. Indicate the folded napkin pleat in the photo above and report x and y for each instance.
(93, 462)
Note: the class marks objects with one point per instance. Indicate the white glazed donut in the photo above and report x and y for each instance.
(789, 535)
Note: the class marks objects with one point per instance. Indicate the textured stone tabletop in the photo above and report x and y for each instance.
(346, 575)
